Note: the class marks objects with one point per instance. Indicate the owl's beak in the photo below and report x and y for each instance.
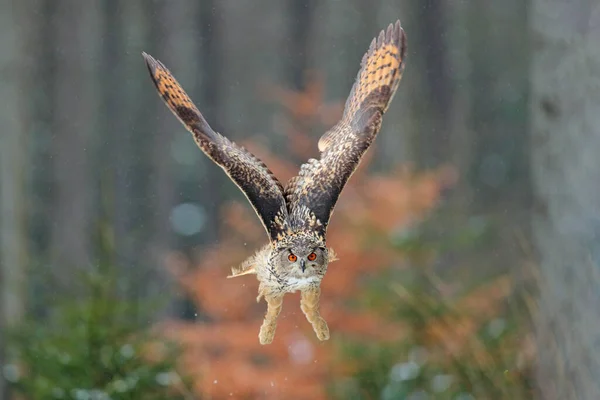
(303, 265)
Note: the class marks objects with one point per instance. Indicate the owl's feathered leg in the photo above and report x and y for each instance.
(267, 330)
(309, 303)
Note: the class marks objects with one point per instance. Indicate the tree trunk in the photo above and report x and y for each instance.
(433, 143)
(209, 90)
(115, 188)
(14, 68)
(175, 48)
(72, 127)
(566, 223)
(498, 168)
(301, 18)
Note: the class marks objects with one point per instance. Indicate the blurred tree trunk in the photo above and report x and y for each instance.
(498, 173)
(15, 90)
(73, 124)
(566, 222)
(116, 143)
(171, 41)
(172, 33)
(433, 141)
(461, 140)
(301, 18)
(398, 141)
(209, 88)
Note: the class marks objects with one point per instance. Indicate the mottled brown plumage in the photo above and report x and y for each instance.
(320, 182)
(296, 217)
(251, 175)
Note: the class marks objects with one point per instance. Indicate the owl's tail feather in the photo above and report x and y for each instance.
(332, 256)
(238, 271)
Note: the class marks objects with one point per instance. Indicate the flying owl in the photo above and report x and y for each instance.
(296, 215)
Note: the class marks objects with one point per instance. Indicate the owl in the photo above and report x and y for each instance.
(296, 216)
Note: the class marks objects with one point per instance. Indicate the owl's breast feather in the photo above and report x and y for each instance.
(293, 283)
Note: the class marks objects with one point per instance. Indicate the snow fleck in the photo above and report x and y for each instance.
(440, 383)
(11, 372)
(301, 351)
(127, 351)
(166, 378)
(404, 371)
(121, 386)
(496, 327)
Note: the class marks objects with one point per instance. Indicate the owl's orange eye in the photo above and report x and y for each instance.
(312, 257)
(292, 257)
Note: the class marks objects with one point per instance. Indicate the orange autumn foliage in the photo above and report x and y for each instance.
(224, 354)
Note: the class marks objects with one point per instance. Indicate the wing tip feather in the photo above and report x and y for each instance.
(175, 97)
(153, 64)
(393, 34)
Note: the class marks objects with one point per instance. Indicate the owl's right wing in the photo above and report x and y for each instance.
(250, 174)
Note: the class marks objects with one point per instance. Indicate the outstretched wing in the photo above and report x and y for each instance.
(251, 175)
(320, 182)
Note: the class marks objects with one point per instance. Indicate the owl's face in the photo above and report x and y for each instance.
(302, 260)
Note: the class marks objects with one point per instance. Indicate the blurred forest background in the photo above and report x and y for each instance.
(468, 239)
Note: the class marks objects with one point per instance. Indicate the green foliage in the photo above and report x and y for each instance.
(419, 366)
(94, 347)
(449, 349)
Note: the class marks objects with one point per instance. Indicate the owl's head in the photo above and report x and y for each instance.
(303, 255)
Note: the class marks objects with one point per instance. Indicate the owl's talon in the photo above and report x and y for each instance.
(267, 333)
(321, 329)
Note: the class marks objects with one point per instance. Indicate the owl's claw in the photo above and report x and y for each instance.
(267, 333)
(321, 329)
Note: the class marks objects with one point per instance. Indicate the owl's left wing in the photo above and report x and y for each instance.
(250, 174)
(320, 182)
